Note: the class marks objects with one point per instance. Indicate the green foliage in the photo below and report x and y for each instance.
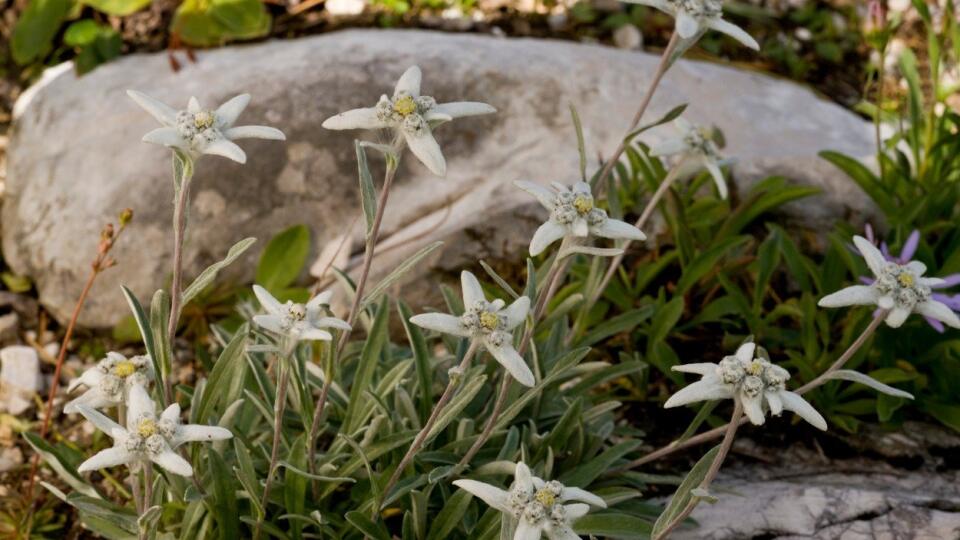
(207, 23)
(95, 43)
(283, 260)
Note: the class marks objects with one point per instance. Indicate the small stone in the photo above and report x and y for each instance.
(9, 327)
(628, 37)
(10, 458)
(557, 21)
(19, 378)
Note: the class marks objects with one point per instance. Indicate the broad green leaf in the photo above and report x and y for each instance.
(613, 525)
(117, 8)
(283, 259)
(684, 493)
(367, 366)
(450, 516)
(224, 501)
(33, 33)
(206, 23)
(65, 467)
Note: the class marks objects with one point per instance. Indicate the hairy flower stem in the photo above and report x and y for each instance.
(147, 495)
(393, 162)
(455, 378)
(278, 406)
(552, 280)
(641, 221)
(100, 263)
(180, 209)
(729, 433)
(716, 432)
(662, 68)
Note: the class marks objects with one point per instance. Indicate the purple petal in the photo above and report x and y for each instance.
(867, 280)
(935, 324)
(886, 251)
(949, 281)
(910, 247)
(868, 232)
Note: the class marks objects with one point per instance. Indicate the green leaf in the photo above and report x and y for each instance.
(33, 33)
(450, 516)
(226, 377)
(206, 23)
(613, 525)
(210, 273)
(143, 324)
(61, 463)
(586, 473)
(684, 494)
(421, 357)
(864, 177)
(707, 262)
(364, 524)
(671, 115)
(224, 501)
(117, 8)
(667, 317)
(368, 193)
(283, 258)
(581, 145)
(367, 366)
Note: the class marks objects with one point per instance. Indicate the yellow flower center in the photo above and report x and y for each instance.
(488, 320)
(906, 279)
(583, 204)
(146, 428)
(203, 119)
(405, 106)
(756, 367)
(124, 369)
(545, 497)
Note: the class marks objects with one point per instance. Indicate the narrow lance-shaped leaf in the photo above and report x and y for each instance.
(866, 380)
(210, 273)
(684, 493)
(368, 194)
(399, 272)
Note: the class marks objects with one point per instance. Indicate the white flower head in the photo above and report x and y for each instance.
(753, 380)
(198, 131)
(491, 323)
(900, 288)
(411, 115)
(537, 505)
(147, 437)
(299, 322)
(696, 150)
(572, 213)
(694, 17)
(109, 382)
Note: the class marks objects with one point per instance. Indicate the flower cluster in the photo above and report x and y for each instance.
(298, 322)
(109, 382)
(899, 288)
(196, 131)
(573, 214)
(696, 150)
(694, 17)
(754, 381)
(490, 323)
(412, 116)
(536, 505)
(146, 437)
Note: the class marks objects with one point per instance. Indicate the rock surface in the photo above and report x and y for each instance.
(837, 501)
(76, 159)
(19, 378)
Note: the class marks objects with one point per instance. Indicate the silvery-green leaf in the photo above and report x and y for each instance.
(581, 145)
(866, 380)
(704, 495)
(399, 272)
(368, 194)
(671, 115)
(589, 250)
(684, 493)
(210, 273)
(500, 281)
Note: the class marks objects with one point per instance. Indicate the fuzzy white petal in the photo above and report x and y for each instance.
(471, 289)
(441, 322)
(939, 311)
(510, 359)
(111, 457)
(582, 495)
(225, 148)
(546, 234)
(745, 352)
(425, 147)
(580, 227)
(773, 400)
(171, 413)
(516, 312)
(272, 323)
(885, 302)
(897, 317)
(617, 230)
(669, 147)
(139, 403)
(717, 175)
(732, 30)
(228, 113)
(409, 82)
(706, 389)
(255, 132)
(873, 257)
(269, 303)
(171, 461)
(492, 495)
(543, 194)
(92, 398)
(793, 402)
(315, 334)
(98, 419)
(527, 531)
(167, 136)
(855, 295)
(163, 113)
(700, 368)
(333, 322)
(523, 477)
(193, 106)
(320, 300)
(197, 433)
(687, 25)
(460, 109)
(364, 118)
(752, 407)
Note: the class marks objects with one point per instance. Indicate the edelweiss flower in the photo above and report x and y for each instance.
(900, 288)
(572, 213)
(297, 321)
(146, 437)
(906, 253)
(694, 17)
(489, 322)
(751, 380)
(199, 131)
(536, 504)
(413, 116)
(109, 382)
(697, 151)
